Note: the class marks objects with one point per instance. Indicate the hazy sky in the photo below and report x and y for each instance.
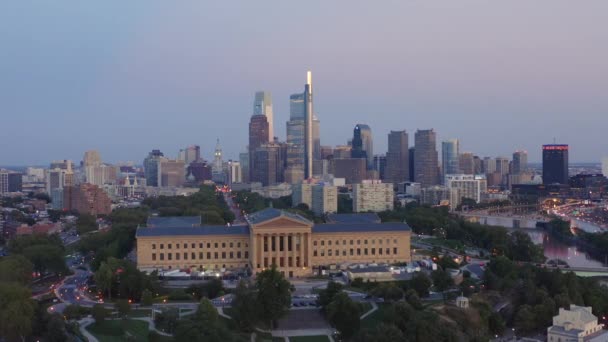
(125, 77)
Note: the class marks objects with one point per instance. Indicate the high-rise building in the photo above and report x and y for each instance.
(362, 144)
(302, 194)
(353, 170)
(258, 135)
(244, 161)
(262, 105)
(324, 199)
(468, 186)
(91, 158)
(87, 199)
(397, 158)
(426, 165)
(342, 152)
(373, 195)
(380, 166)
(450, 164)
(171, 173)
(192, 153)
(151, 163)
(326, 152)
(555, 164)
(316, 138)
(234, 172)
(412, 159)
(502, 165)
(10, 181)
(268, 164)
(488, 165)
(466, 162)
(200, 170)
(308, 131)
(520, 162)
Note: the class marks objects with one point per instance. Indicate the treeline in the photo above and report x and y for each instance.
(251, 202)
(437, 221)
(536, 293)
(206, 203)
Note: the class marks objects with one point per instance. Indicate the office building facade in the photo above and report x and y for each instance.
(450, 164)
(373, 195)
(426, 165)
(555, 164)
(262, 105)
(397, 157)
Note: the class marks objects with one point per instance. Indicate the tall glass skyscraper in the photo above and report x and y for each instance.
(555, 164)
(262, 105)
(450, 150)
(426, 164)
(303, 130)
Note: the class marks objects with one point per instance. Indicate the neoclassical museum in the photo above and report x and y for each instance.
(296, 245)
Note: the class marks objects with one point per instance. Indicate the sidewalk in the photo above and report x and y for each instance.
(83, 323)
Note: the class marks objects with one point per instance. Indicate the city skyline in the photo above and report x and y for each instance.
(105, 71)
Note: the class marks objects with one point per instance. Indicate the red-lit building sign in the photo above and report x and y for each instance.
(555, 147)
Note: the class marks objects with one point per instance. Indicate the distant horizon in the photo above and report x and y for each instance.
(125, 78)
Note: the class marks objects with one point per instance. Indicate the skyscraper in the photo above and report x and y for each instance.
(450, 149)
(262, 105)
(316, 138)
(268, 167)
(91, 158)
(217, 169)
(426, 164)
(151, 163)
(192, 153)
(520, 162)
(397, 158)
(309, 146)
(258, 135)
(466, 162)
(296, 132)
(555, 164)
(363, 144)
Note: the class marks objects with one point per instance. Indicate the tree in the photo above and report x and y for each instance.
(245, 307)
(86, 223)
(442, 280)
(167, 319)
(17, 311)
(74, 312)
(104, 278)
(16, 268)
(206, 312)
(123, 307)
(381, 333)
(273, 296)
(327, 295)
(411, 296)
(525, 321)
(55, 329)
(146, 298)
(343, 314)
(421, 284)
(99, 313)
(496, 324)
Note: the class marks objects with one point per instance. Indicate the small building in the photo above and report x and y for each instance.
(578, 324)
(370, 273)
(462, 302)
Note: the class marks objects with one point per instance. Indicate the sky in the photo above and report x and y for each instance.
(126, 77)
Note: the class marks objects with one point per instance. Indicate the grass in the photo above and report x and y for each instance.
(376, 317)
(318, 338)
(263, 337)
(365, 307)
(118, 330)
(140, 313)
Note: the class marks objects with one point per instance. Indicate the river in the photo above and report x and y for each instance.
(553, 249)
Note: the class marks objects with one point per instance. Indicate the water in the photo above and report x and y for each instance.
(555, 249)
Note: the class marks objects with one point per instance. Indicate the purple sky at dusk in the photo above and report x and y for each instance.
(124, 77)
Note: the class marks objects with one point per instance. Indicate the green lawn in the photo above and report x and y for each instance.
(319, 338)
(375, 318)
(119, 330)
(365, 307)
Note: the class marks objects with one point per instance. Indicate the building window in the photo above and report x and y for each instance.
(358, 242)
(380, 250)
(328, 252)
(329, 243)
(351, 242)
(231, 245)
(388, 241)
(215, 245)
(185, 245)
(373, 242)
(238, 254)
(365, 242)
(162, 256)
(170, 255)
(380, 241)
(153, 246)
(322, 252)
(337, 252)
(193, 245)
(395, 241)
(200, 245)
(314, 253)
(216, 255)
(322, 242)
(246, 255)
(388, 251)
(153, 256)
(373, 251)
(314, 243)
(344, 252)
(208, 244)
(223, 255)
(344, 242)
(208, 255)
(185, 256)
(395, 250)
(162, 246)
(192, 256)
(223, 245)
(337, 242)
(358, 251)
(352, 251)
(365, 251)
(238, 245)
(231, 255)
(200, 255)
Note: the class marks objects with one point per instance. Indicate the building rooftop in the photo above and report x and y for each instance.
(174, 221)
(357, 227)
(369, 269)
(272, 213)
(353, 218)
(193, 231)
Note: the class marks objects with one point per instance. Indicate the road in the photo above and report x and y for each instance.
(238, 215)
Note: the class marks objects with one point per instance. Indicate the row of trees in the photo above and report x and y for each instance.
(537, 293)
(206, 203)
(121, 279)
